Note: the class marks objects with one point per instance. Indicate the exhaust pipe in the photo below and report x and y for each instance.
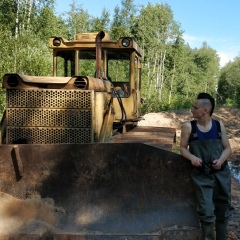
(98, 42)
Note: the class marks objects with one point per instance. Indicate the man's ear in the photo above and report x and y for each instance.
(207, 110)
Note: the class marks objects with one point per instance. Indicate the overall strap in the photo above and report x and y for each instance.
(218, 129)
(193, 135)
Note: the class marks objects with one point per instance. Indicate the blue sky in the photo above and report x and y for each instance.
(216, 22)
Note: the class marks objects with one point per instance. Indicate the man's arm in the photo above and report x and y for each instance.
(185, 134)
(226, 149)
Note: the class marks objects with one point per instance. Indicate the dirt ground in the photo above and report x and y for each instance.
(231, 119)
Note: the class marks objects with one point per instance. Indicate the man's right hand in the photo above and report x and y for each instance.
(197, 162)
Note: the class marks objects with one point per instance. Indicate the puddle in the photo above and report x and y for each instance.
(235, 169)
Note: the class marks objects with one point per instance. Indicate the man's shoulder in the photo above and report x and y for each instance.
(186, 126)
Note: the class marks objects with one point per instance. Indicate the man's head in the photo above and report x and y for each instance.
(207, 101)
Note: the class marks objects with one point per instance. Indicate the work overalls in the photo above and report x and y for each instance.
(213, 187)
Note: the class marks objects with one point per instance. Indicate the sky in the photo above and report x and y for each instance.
(216, 22)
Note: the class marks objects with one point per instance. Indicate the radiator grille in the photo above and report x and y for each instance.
(49, 116)
(38, 135)
(49, 99)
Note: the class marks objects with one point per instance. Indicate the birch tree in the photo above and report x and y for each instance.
(77, 19)
(156, 32)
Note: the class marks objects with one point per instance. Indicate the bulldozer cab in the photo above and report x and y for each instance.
(117, 61)
(63, 172)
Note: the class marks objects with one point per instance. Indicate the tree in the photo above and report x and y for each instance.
(8, 15)
(78, 20)
(229, 84)
(157, 32)
(207, 62)
(101, 23)
(46, 23)
(123, 19)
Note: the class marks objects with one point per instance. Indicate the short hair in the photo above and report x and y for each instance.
(208, 97)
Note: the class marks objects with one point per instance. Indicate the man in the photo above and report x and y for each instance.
(204, 142)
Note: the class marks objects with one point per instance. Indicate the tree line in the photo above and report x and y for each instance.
(172, 73)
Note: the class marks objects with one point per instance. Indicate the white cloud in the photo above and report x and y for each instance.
(224, 58)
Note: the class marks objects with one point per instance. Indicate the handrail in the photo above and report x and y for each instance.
(3, 125)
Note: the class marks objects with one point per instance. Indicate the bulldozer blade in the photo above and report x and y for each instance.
(95, 191)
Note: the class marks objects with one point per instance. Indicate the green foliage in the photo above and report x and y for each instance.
(229, 102)
(46, 24)
(172, 72)
(26, 54)
(2, 101)
(7, 14)
(229, 84)
(102, 23)
(118, 70)
(123, 19)
(77, 21)
(175, 73)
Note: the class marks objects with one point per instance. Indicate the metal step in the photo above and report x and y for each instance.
(160, 137)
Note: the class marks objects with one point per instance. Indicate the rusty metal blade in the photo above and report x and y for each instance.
(111, 189)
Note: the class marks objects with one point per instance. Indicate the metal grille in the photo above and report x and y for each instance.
(48, 135)
(49, 116)
(48, 99)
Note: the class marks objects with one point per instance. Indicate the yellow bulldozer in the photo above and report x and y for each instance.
(74, 164)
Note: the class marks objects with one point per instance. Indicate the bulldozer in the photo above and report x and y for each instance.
(74, 164)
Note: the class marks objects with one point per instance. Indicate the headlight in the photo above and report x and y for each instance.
(125, 42)
(56, 42)
(12, 81)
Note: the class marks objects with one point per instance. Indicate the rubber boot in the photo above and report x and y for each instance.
(221, 230)
(208, 231)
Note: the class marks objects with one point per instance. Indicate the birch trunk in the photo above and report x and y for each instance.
(17, 19)
(172, 80)
(161, 73)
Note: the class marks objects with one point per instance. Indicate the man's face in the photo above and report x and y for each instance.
(197, 109)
